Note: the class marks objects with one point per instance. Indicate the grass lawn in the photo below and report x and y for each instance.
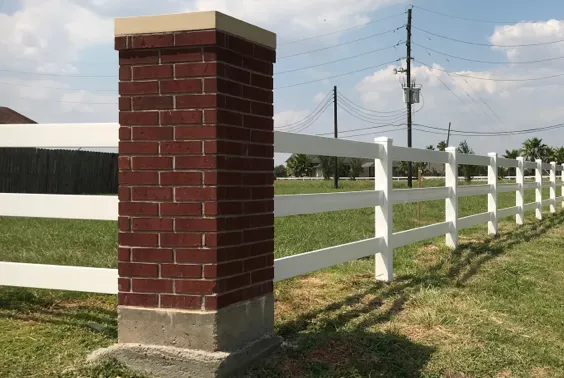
(491, 309)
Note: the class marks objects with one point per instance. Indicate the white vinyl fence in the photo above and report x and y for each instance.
(383, 198)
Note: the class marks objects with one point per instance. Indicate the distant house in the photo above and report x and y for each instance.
(8, 115)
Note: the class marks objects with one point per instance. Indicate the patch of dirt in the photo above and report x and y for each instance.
(504, 374)
(333, 353)
(541, 373)
(292, 368)
(455, 374)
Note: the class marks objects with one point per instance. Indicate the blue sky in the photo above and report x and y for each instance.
(58, 38)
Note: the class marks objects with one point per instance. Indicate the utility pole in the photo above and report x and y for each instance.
(336, 135)
(409, 98)
(448, 134)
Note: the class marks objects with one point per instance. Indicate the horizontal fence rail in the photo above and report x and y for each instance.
(383, 152)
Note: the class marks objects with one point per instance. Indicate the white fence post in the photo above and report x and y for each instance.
(384, 211)
(520, 193)
(552, 187)
(492, 196)
(538, 190)
(451, 203)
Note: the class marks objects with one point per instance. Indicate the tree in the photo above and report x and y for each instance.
(442, 145)
(326, 166)
(356, 168)
(467, 170)
(534, 149)
(558, 155)
(280, 171)
(299, 165)
(430, 147)
(513, 154)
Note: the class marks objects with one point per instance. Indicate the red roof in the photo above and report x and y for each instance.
(8, 115)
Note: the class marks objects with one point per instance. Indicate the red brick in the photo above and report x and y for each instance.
(196, 101)
(125, 73)
(181, 240)
(224, 147)
(261, 81)
(124, 162)
(258, 66)
(238, 104)
(151, 194)
(262, 193)
(259, 234)
(151, 163)
(255, 207)
(230, 87)
(237, 74)
(254, 179)
(138, 118)
(138, 208)
(223, 208)
(181, 86)
(181, 148)
(181, 55)
(223, 270)
(223, 178)
(195, 132)
(183, 117)
(181, 271)
(196, 38)
(152, 72)
(194, 286)
(195, 69)
(124, 133)
(195, 194)
(223, 239)
(233, 133)
(151, 285)
(194, 225)
(264, 53)
(262, 109)
(221, 301)
(152, 103)
(233, 283)
(215, 53)
(152, 255)
(234, 193)
(138, 148)
(124, 284)
(229, 118)
(138, 178)
(138, 270)
(195, 162)
(152, 224)
(239, 45)
(188, 302)
(262, 220)
(255, 264)
(260, 150)
(196, 255)
(181, 178)
(124, 194)
(138, 300)
(257, 94)
(123, 254)
(137, 239)
(124, 223)
(138, 57)
(139, 88)
(153, 133)
(259, 123)
(262, 136)
(210, 85)
(181, 209)
(124, 103)
(152, 41)
(210, 116)
(261, 248)
(120, 43)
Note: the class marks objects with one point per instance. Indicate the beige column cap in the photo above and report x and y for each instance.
(193, 22)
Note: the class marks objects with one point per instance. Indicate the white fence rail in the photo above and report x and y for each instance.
(382, 198)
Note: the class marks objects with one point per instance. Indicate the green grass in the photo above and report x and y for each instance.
(492, 308)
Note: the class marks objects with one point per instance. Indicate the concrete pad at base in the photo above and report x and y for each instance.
(162, 361)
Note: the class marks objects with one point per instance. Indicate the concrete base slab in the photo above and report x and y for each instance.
(165, 361)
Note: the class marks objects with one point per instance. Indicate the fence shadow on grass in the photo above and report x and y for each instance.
(357, 314)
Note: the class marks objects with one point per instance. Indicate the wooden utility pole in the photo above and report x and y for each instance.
(409, 99)
(336, 135)
(448, 134)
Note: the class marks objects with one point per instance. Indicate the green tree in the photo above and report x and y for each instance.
(356, 168)
(280, 171)
(513, 154)
(326, 166)
(467, 170)
(299, 165)
(534, 149)
(558, 155)
(442, 145)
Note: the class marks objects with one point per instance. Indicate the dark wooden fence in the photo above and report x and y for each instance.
(32, 170)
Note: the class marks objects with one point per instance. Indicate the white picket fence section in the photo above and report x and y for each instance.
(99, 280)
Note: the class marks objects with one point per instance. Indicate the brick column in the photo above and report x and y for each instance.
(196, 159)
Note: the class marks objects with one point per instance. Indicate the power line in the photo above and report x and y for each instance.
(311, 115)
(487, 44)
(371, 121)
(57, 75)
(492, 79)
(59, 88)
(369, 110)
(466, 18)
(309, 124)
(336, 61)
(391, 130)
(341, 30)
(340, 75)
(489, 133)
(376, 117)
(339, 44)
(486, 61)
